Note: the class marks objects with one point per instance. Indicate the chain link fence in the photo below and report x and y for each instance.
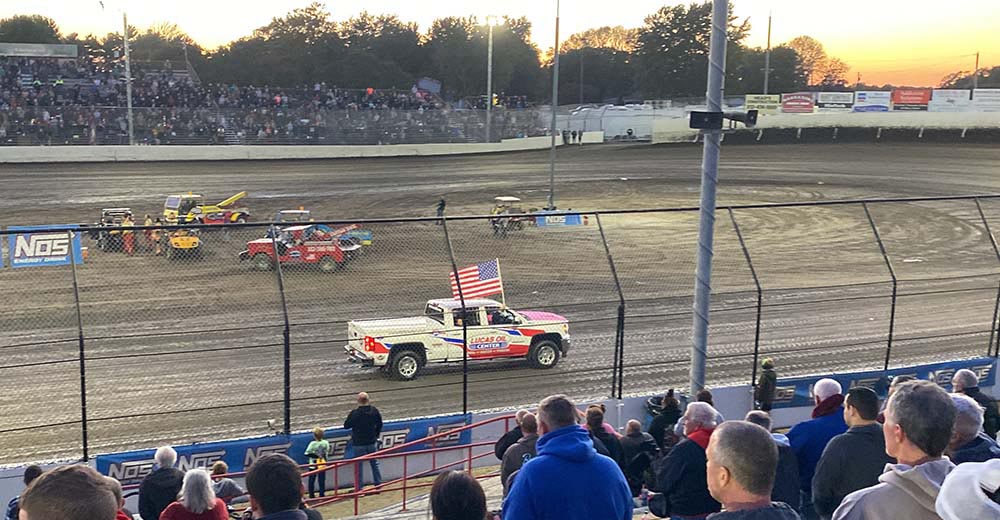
(192, 333)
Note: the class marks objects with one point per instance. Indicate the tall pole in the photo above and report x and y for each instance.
(580, 54)
(975, 73)
(128, 82)
(709, 180)
(489, 81)
(555, 105)
(767, 56)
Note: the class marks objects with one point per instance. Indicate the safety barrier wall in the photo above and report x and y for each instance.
(138, 349)
(77, 154)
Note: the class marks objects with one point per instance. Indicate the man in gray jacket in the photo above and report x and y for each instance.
(854, 459)
(918, 424)
(520, 452)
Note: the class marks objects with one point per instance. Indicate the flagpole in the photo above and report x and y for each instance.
(503, 297)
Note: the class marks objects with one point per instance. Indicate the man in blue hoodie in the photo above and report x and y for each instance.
(809, 438)
(567, 478)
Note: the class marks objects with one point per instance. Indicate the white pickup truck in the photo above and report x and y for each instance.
(401, 347)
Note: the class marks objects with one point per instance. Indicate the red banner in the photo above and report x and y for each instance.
(798, 103)
(911, 98)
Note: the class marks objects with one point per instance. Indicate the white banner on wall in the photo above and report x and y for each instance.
(953, 100)
(763, 103)
(835, 101)
(986, 99)
(872, 101)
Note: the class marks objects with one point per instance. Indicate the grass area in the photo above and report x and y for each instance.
(370, 503)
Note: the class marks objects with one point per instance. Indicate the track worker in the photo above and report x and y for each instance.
(128, 235)
(156, 237)
(148, 233)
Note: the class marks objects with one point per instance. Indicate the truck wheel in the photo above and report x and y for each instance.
(405, 366)
(262, 262)
(242, 219)
(544, 354)
(327, 264)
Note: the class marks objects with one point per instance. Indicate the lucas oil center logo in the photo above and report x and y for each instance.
(488, 343)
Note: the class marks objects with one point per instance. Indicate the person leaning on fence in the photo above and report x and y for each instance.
(317, 452)
(767, 386)
(966, 382)
(968, 441)
(197, 500)
(72, 492)
(160, 487)
(31, 473)
(742, 460)
(365, 423)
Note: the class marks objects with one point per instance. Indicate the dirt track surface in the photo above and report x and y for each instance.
(191, 350)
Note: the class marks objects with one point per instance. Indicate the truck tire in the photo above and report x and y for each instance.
(405, 365)
(544, 354)
(262, 262)
(327, 264)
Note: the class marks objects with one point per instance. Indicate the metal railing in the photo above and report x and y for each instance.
(137, 349)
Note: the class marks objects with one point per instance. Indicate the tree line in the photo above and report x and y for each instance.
(665, 58)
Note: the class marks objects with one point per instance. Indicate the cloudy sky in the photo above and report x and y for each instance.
(886, 41)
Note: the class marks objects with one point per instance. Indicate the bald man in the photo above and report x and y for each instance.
(365, 423)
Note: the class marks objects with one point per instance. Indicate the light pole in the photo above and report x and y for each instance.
(767, 56)
(128, 82)
(490, 21)
(552, 130)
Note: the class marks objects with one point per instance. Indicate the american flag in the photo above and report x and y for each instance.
(478, 280)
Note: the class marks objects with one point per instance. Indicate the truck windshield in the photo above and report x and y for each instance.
(173, 202)
(435, 313)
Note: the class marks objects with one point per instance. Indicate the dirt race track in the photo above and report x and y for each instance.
(182, 351)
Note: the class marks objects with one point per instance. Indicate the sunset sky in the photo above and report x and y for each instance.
(886, 41)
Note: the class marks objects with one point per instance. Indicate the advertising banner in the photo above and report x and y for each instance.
(39, 50)
(39, 245)
(798, 103)
(911, 98)
(131, 467)
(872, 101)
(797, 391)
(950, 101)
(986, 99)
(835, 101)
(763, 103)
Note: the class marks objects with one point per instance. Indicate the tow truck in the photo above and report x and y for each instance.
(311, 244)
(190, 208)
(401, 347)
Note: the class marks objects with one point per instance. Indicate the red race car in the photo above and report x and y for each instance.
(302, 245)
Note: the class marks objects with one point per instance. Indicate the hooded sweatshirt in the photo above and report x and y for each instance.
(568, 479)
(904, 492)
(963, 495)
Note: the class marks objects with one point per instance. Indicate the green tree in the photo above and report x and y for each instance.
(816, 65)
(617, 38)
(607, 75)
(988, 78)
(30, 28)
(745, 70)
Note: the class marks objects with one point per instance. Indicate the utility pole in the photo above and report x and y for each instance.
(767, 56)
(975, 73)
(489, 80)
(857, 84)
(580, 54)
(555, 106)
(706, 207)
(128, 82)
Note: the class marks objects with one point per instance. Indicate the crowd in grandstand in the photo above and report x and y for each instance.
(923, 454)
(62, 101)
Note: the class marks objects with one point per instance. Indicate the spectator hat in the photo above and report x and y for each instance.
(968, 492)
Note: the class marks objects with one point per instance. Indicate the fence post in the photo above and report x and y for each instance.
(286, 333)
(895, 283)
(619, 362)
(760, 298)
(83, 366)
(465, 326)
(994, 326)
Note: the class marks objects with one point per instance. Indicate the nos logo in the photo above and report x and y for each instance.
(41, 245)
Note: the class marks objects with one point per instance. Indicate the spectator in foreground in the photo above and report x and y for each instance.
(966, 382)
(197, 501)
(521, 452)
(809, 438)
(69, 493)
(317, 453)
(854, 459)
(786, 477)
(116, 490)
(767, 386)
(681, 476)
(742, 460)
(275, 486)
(225, 488)
(567, 479)
(510, 437)
(893, 385)
(918, 423)
(160, 488)
(971, 492)
(968, 442)
(365, 423)
(595, 423)
(30, 474)
(702, 396)
(455, 495)
(662, 426)
(639, 450)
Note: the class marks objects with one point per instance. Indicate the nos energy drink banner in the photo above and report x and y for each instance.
(40, 245)
(132, 466)
(797, 392)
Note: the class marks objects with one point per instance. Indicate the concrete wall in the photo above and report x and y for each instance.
(667, 130)
(70, 154)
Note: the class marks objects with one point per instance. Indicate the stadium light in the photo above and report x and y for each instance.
(128, 74)
(555, 104)
(491, 21)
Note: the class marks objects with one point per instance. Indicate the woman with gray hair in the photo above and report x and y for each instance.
(197, 501)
